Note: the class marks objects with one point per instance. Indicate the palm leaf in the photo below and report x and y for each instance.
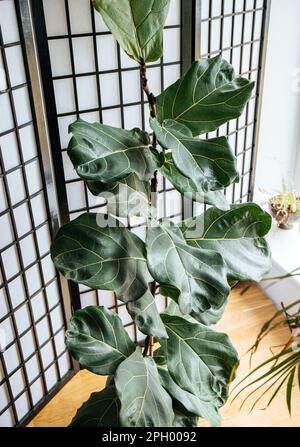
(270, 387)
(280, 372)
(289, 390)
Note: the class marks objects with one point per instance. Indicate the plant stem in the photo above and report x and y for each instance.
(287, 275)
(152, 104)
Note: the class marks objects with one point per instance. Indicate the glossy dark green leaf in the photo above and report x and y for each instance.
(136, 24)
(97, 339)
(200, 360)
(144, 402)
(207, 317)
(206, 97)
(183, 418)
(199, 275)
(245, 221)
(100, 410)
(146, 316)
(210, 164)
(127, 197)
(190, 402)
(237, 235)
(108, 258)
(187, 187)
(173, 308)
(106, 154)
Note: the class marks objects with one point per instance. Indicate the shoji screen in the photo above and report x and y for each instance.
(33, 360)
(93, 79)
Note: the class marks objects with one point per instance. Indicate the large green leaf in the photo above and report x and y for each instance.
(200, 360)
(237, 235)
(206, 97)
(100, 410)
(128, 197)
(187, 187)
(144, 402)
(97, 339)
(108, 258)
(191, 403)
(106, 154)
(136, 24)
(146, 316)
(210, 164)
(210, 316)
(198, 274)
(207, 317)
(183, 418)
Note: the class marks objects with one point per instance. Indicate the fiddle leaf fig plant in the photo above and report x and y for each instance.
(183, 369)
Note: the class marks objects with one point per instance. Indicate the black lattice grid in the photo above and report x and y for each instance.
(34, 360)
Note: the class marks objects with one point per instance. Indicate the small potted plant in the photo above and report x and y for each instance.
(285, 207)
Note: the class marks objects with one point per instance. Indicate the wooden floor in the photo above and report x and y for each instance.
(243, 319)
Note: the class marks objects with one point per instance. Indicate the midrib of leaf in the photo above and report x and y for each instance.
(135, 30)
(181, 262)
(211, 104)
(199, 78)
(216, 220)
(98, 129)
(93, 354)
(109, 136)
(183, 340)
(133, 376)
(193, 155)
(224, 238)
(102, 260)
(145, 392)
(179, 144)
(124, 30)
(112, 328)
(187, 274)
(174, 247)
(90, 315)
(111, 153)
(97, 230)
(151, 11)
(113, 401)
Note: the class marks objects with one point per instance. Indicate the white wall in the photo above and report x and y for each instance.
(279, 144)
(279, 131)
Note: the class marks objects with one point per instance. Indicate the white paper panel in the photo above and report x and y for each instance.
(29, 292)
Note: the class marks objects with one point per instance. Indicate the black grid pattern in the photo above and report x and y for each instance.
(236, 30)
(105, 86)
(34, 360)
